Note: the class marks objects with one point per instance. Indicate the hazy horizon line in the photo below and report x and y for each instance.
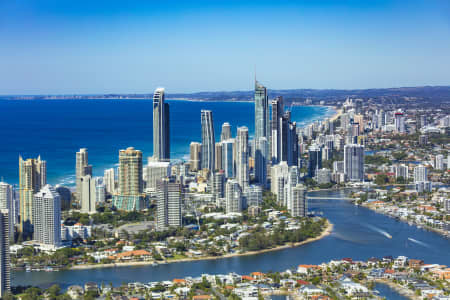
(228, 91)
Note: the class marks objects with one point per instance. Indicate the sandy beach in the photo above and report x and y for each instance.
(326, 232)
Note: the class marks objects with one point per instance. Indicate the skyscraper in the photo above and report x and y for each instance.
(242, 171)
(154, 172)
(88, 194)
(277, 112)
(32, 176)
(262, 133)
(47, 216)
(82, 168)
(168, 204)
(354, 162)
(208, 140)
(400, 122)
(420, 173)
(262, 121)
(261, 155)
(109, 179)
(439, 163)
(195, 156)
(218, 156)
(288, 150)
(278, 173)
(233, 195)
(226, 132)
(129, 196)
(5, 276)
(228, 157)
(218, 184)
(7, 202)
(315, 160)
(298, 206)
(161, 126)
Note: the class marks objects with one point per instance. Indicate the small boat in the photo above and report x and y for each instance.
(28, 269)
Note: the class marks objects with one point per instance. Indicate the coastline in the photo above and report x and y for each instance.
(327, 231)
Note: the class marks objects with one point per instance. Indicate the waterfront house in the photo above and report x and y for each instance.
(400, 262)
(309, 290)
(415, 263)
(305, 269)
(75, 291)
(132, 255)
(91, 287)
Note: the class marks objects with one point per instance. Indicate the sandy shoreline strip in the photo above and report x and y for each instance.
(326, 232)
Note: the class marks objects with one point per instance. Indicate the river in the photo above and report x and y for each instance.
(357, 233)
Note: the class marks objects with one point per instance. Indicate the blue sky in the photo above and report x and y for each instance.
(64, 47)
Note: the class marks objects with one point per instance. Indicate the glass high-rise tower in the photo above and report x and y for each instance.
(5, 277)
(208, 140)
(242, 171)
(161, 126)
(262, 132)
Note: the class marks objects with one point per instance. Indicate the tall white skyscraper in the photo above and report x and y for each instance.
(420, 173)
(88, 194)
(5, 277)
(7, 202)
(168, 204)
(233, 195)
(109, 179)
(47, 216)
(298, 207)
(401, 170)
(242, 171)
(82, 168)
(208, 140)
(226, 132)
(279, 173)
(439, 164)
(354, 162)
(161, 126)
(154, 171)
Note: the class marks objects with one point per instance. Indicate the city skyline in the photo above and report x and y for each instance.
(196, 47)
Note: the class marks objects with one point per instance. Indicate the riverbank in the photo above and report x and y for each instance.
(327, 231)
(399, 289)
(409, 222)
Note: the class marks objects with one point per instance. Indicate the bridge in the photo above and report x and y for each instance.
(329, 198)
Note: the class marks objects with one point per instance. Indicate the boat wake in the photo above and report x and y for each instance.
(419, 242)
(380, 231)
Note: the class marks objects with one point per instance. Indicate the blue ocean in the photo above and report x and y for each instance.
(56, 129)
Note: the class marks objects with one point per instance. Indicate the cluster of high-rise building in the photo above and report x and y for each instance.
(234, 171)
(238, 169)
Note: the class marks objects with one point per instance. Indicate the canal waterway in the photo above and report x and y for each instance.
(358, 233)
